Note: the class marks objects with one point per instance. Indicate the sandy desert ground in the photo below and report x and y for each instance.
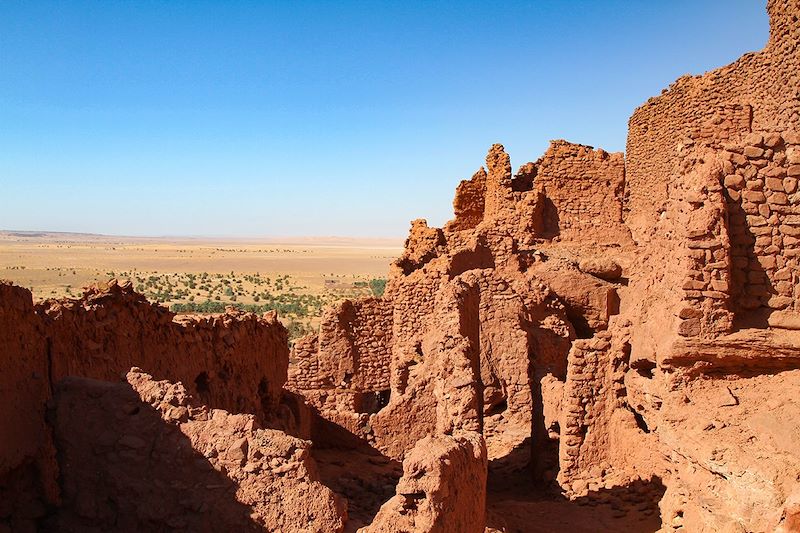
(297, 276)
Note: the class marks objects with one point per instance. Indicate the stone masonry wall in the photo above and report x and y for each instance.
(589, 377)
(761, 183)
(235, 361)
(27, 469)
(586, 188)
(737, 207)
(602, 444)
(372, 337)
(344, 371)
(352, 350)
(760, 91)
(700, 215)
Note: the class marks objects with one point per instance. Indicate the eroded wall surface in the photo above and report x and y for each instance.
(633, 318)
(236, 361)
(603, 322)
(27, 465)
(160, 462)
(758, 92)
(442, 488)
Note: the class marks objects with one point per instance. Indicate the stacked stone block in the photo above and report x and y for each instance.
(586, 189)
(762, 189)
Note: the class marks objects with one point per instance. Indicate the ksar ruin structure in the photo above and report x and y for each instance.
(596, 342)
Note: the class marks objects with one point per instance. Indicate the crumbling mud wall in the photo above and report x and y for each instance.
(711, 197)
(236, 361)
(640, 360)
(351, 349)
(25, 383)
(604, 442)
(711, 183)
(479, 317)
(584, 190)
(344, 371)
(160, 462)
(480, 321)
(607, 325)
(442, 488)
(438, 391)
(27, 465)
(761, 175)
(572, 192)
(759, 92)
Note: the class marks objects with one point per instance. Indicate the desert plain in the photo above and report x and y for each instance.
(297, 276)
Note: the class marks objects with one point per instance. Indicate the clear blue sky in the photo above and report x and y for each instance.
(318, 118)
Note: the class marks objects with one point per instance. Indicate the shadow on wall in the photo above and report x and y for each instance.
(544, 358)
(748, 276)
(21, 507)
(517, 505)
(464, 260)
(513, 469)
(551, 222)
(144, 474)
(354, 469)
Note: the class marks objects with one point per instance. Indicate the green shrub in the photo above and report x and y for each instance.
(378, 286)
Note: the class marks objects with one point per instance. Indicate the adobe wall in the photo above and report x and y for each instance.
(27, 463)
(236, 361)
(25, 385)
(601, 444)
(443, 488)
(731, 211)
(413, 300)
(352, 349)
(759, 92)
(584, 188)
(572, 192)
(436, 389)
(343, 372)
(469, 203)
(161, 462)
(761, 179)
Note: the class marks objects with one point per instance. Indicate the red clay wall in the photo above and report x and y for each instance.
(443, 488)
(236, 361)
(761, 180)
(160, 462)
(757, 92)
(25, 387)
(586, 188)
(27, 471)
(352, 349)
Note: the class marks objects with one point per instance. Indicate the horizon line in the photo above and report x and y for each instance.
(43, 232)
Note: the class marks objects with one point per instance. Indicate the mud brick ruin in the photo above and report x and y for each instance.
(615, 336)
